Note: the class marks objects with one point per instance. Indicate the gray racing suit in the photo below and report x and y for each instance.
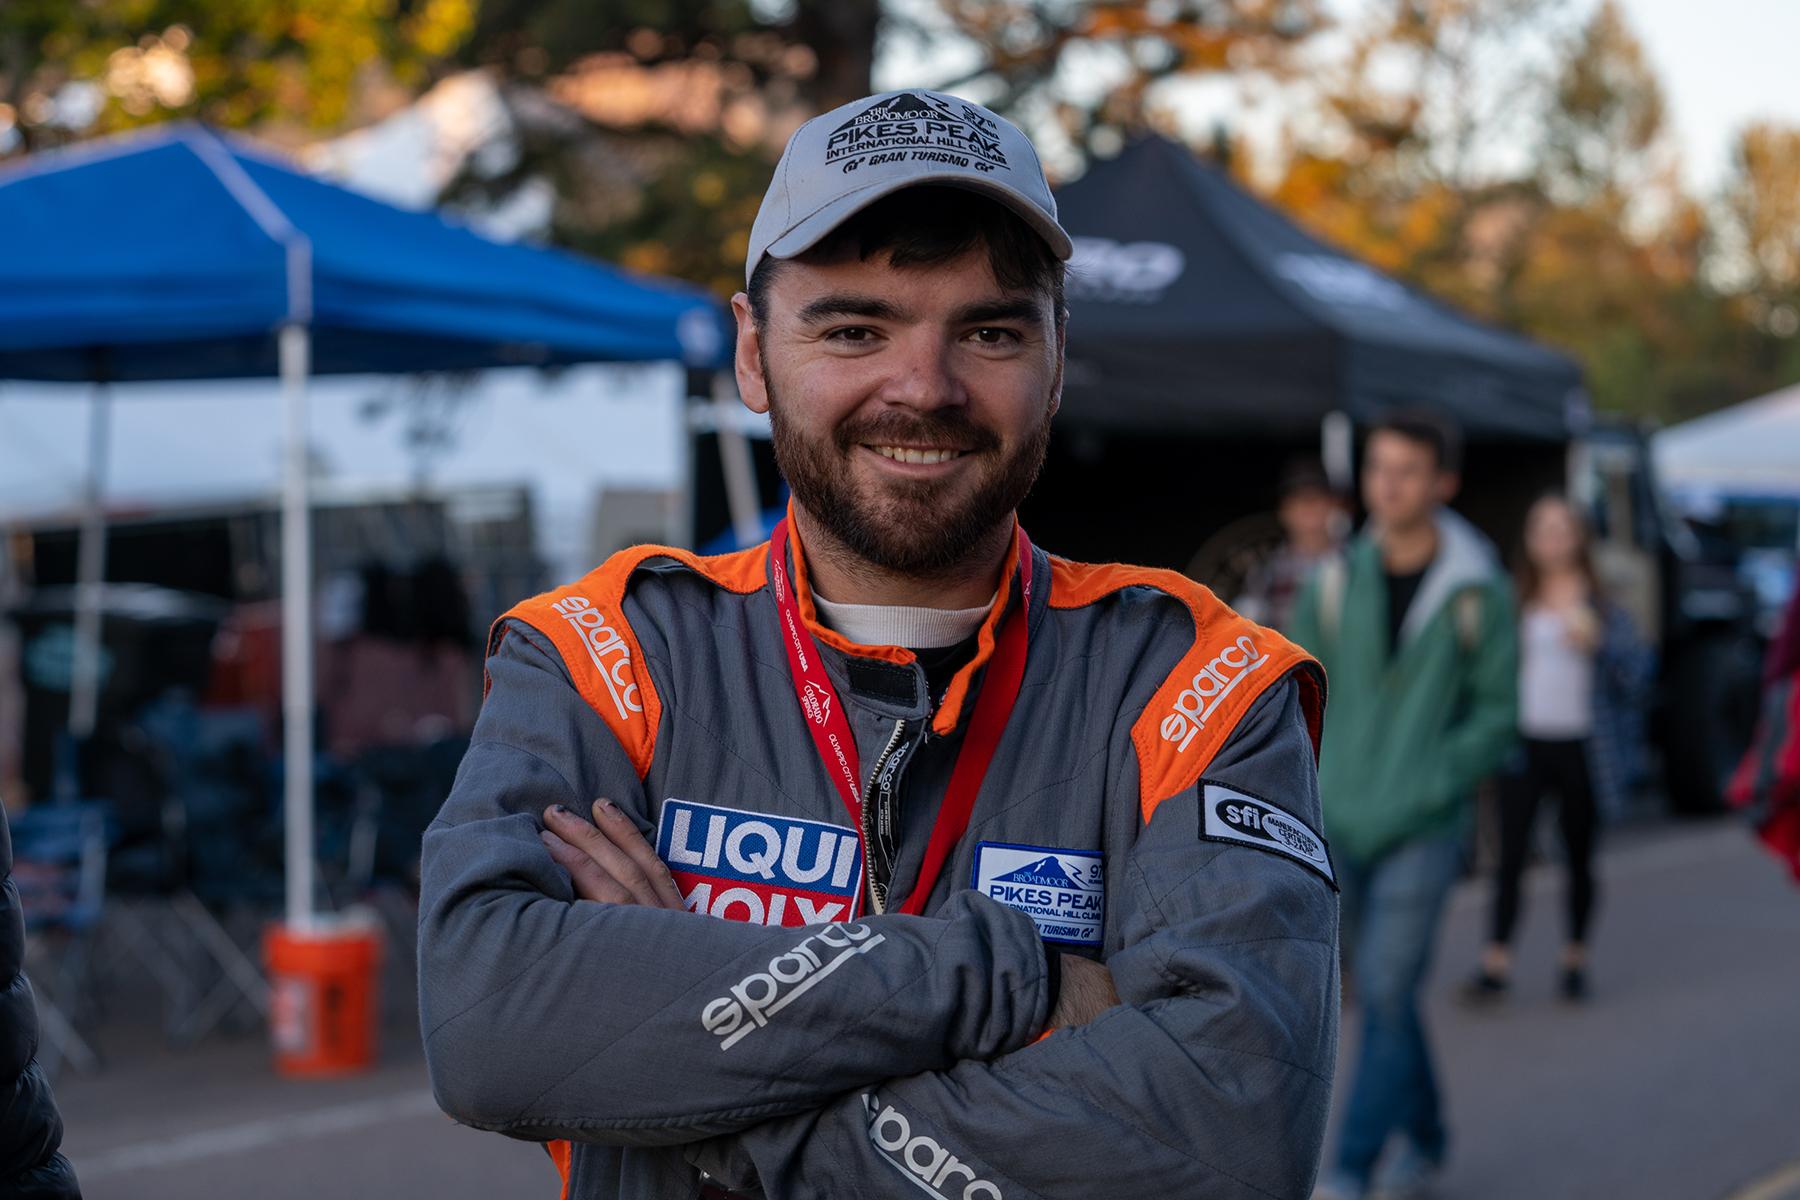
(1152, 804)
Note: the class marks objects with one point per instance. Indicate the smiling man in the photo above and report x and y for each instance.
(895, 854)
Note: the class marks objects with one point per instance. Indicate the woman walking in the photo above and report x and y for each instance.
(1582, 671)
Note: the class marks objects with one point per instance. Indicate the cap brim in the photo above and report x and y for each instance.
(813, 229)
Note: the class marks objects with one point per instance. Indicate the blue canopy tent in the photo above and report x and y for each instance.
(185, 254)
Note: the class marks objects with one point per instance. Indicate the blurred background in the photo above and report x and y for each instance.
(1571, 226)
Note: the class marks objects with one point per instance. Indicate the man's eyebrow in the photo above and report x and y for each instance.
(1025, 309)
(848, 304)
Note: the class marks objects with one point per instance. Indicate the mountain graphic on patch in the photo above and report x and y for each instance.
(903, 107)
(1045, 872)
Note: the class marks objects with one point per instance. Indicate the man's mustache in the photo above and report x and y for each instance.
(951, 428)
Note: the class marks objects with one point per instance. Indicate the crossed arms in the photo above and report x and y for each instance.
(550, 1015)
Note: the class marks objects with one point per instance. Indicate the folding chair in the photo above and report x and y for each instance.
(200, 864)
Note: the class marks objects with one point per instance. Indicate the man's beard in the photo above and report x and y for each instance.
(907, 527)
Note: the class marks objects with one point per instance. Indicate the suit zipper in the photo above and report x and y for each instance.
(882, 825)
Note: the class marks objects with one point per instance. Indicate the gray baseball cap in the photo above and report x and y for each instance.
(838, 164)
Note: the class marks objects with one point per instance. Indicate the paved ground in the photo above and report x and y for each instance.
(1680, 1081)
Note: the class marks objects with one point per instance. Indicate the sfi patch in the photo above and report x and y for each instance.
(1228, 815)
(758, 867)
(1062, 891)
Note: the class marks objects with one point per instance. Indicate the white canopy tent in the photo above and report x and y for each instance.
(1749, 449)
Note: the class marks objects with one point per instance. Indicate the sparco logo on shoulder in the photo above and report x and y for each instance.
(922, 1159)
(603, 641)
(758, 996)
(1208, 689)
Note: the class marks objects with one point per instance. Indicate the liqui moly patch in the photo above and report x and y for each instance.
(758, 867)
(1063, 891)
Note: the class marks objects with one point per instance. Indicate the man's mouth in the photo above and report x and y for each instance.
(918, 454)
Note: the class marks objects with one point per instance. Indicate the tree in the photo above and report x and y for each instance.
(1585, 240)
(1762, 212)
(1090, 74)
(70, 70)
(1409, 128)
(1605, 144)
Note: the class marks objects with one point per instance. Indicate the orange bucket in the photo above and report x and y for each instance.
(323, 1001)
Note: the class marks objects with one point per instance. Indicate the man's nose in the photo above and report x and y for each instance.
(924, 373)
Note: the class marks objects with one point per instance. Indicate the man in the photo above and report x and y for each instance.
(1313, 525)
(1415, 628)
(1016, 856)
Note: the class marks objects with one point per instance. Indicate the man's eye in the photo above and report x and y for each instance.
(994, 336)
(854, 334)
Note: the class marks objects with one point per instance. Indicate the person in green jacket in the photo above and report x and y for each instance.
(1414, 624)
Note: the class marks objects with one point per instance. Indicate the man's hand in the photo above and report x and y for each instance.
(609, 860)
(1087, 991)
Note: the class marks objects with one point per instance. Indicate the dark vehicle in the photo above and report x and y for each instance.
(1685, 591)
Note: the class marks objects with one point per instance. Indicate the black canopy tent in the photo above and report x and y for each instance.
(1194, 304)
(1210, 338)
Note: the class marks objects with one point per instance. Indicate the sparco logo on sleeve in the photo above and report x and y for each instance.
(602, 641)
(758, 867)
(924, 1160)
(1208, 689)
(755, 998)
(1229, 815)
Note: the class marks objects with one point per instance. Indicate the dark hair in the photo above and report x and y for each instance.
(926, 226)
(1303, 475)
(1436, 433)
(1526, 577)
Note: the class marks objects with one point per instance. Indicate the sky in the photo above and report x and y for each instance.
(1723, 63)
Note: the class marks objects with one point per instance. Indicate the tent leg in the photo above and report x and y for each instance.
(90, 573)
(737, 462)
(1337, 449)
(296, 630)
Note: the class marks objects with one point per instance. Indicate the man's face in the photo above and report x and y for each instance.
(911, 407)
(1402, 482)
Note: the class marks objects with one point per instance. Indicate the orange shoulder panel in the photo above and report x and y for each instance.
(561, 1153)
(585, 621)
(1231, 663)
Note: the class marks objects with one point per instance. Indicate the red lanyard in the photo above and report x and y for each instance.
(836, 745)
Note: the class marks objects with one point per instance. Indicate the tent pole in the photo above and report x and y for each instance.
(736, 460)
(296, 630)
(1337, 449)
(90, 570)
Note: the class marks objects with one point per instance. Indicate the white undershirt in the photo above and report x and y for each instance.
(901, 624)
(1556, 679)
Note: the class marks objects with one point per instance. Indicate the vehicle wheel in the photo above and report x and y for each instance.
(1711, 714)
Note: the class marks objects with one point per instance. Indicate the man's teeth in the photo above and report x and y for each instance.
(907, 454)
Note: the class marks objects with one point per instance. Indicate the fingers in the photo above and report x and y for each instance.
(591, 882)
(598, 847)
(611, 820)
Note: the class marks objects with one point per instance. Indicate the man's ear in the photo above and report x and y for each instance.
(753, 389)
(1449, 483)
(1062, 346)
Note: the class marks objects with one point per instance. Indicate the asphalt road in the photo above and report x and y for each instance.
(1679, 1080)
